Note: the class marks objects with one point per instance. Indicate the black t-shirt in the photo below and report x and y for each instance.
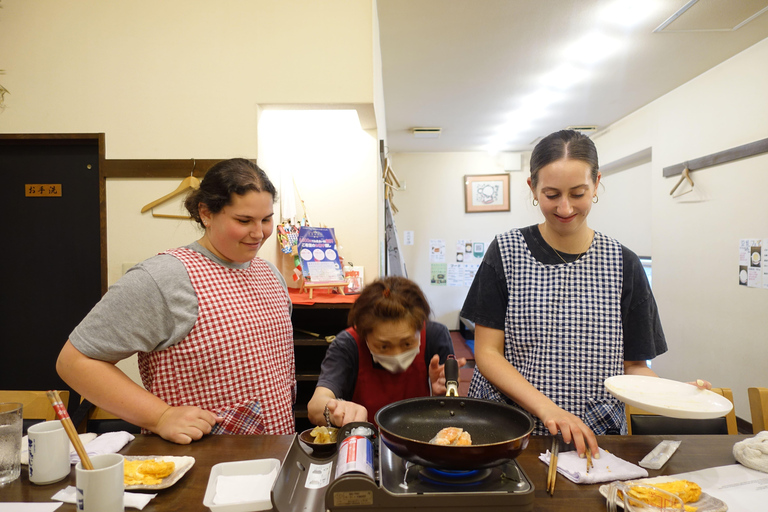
(488, 297)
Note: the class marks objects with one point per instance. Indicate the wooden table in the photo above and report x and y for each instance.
(695, 452)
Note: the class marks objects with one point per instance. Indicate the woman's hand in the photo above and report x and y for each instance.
(701, 384)
(437, 374)
(185, 424)
(343, 412)
(572, 429)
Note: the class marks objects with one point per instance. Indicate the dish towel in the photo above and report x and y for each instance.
(109, 442)
(607, 468)
(137, 500)
(753, 452)
(84, 438)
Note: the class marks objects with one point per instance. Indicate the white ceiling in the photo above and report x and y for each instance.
(466, 65)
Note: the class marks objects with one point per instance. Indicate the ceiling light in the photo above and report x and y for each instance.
(426, 133)
(564, 76)
(629, 13)
(592, 48)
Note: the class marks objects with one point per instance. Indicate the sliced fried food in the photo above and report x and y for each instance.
(146, 472)
(324, 435)
(452, 436)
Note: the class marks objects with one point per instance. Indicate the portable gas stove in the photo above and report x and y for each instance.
(308, 483)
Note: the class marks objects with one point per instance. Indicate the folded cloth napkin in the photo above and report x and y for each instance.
(84, 438)
(137, 500)
(607, 468)
(753, 452)
(109, 442)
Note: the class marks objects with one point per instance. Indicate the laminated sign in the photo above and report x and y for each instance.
(319, 256)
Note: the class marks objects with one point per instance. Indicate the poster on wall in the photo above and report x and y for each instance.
(436, 250)
(753, 263)
(319, 255)
(439, 273)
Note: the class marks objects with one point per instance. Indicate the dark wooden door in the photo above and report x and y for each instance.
(51, 259)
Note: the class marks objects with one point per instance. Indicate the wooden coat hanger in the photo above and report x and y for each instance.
(188, 183)
(686, 175)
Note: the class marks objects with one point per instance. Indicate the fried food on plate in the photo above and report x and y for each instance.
(324, 435)
(146, 471)
(688, 491)
(452, 436)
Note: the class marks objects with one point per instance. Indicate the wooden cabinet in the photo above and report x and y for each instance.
(313, 325)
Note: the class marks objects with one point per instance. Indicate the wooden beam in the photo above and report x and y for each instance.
(156, 168)
(721, 157)
(622, 164)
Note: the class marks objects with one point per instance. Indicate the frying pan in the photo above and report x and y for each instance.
(499, 431)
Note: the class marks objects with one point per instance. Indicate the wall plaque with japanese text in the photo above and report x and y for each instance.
(42, 190)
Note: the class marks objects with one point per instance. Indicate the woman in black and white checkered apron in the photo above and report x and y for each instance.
(559, 307)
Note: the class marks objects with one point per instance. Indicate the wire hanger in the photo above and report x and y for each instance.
(686, 176)
(188, 183)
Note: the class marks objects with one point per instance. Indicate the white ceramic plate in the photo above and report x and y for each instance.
(706, 503)
(668, 397)
(183, 464)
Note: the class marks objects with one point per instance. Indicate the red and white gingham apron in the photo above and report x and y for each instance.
(237, 360)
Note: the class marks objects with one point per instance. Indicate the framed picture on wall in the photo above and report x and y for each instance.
(486, 193)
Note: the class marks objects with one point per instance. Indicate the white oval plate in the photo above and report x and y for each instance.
(183, 464)
(668, 397)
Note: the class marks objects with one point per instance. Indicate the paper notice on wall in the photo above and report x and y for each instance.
(469, 273)
(765, 263)
(436, 250)
(438, 271)
(407, 237)
(752, 263)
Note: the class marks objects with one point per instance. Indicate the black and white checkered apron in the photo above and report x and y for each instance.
(563, 330)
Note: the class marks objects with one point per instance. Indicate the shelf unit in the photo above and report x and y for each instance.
(323, 319)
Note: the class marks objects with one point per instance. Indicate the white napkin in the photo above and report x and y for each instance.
(84, 438)
(753, 452)
(29, 507)
(243, 488)
(607, 468)
(137, 500)
(109, 442)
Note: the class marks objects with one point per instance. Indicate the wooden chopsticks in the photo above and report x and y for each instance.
(552, 473)
(589, 459)
(66, 421)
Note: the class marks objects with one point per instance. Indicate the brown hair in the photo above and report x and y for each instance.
(387, 299)
(225, 179)
(568, 144)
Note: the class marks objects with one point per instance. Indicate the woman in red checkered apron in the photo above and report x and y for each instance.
(210, 323)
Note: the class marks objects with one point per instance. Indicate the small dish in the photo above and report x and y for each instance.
(243, 468)
(668, 397)
(321, 449)
(183, 464)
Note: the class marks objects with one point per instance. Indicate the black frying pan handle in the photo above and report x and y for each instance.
(451, 376)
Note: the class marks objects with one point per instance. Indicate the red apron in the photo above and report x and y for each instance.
(376, 387)
(237, 360)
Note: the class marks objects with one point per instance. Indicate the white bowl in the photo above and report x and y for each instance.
(239, 468)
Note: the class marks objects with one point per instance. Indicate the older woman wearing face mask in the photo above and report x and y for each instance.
(391, 352)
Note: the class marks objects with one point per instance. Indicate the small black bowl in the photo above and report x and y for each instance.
(321, 449)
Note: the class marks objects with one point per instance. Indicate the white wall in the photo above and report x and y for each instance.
(715, 328)
(185, 79)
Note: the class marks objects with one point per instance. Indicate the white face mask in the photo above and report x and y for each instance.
(397, 363)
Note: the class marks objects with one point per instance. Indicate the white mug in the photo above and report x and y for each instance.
(101, 489)
(48, 453)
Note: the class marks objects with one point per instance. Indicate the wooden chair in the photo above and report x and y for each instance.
(640, 422)
(758, 405)
(37, 406)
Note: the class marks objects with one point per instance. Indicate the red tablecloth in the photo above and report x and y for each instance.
(320, 295)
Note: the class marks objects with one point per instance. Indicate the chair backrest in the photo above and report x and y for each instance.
(99, 421)
(640, 422)
(758, 405)
(37, 406)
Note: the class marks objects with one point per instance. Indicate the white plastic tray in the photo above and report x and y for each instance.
(243, 467)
